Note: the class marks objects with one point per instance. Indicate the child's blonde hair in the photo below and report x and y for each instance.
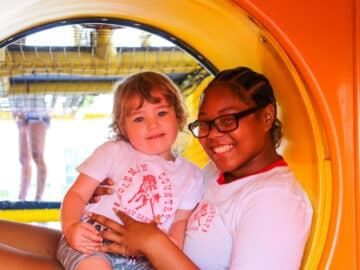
(141, 85)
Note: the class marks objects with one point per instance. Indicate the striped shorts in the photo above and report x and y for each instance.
(70, 258)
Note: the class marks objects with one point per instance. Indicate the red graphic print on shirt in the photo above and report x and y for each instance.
(202, 218)
(147, 193)
(144, 194)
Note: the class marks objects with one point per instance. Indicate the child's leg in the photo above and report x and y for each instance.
(94, 262)
(72, 259)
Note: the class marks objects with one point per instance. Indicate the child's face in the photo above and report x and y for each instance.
(152, 128)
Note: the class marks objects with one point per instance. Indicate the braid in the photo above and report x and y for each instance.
(257, 88)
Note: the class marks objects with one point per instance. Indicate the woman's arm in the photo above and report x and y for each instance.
(136, 237)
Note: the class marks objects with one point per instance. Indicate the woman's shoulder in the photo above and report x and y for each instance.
(210, 170)
(278, 182)
(279, 178)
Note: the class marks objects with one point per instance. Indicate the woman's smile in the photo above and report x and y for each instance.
(222, 148)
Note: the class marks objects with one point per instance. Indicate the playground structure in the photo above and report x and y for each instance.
(311, 54)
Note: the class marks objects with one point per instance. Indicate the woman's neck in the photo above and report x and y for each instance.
(251, 167)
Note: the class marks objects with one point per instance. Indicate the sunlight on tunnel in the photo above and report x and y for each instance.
(72, 77)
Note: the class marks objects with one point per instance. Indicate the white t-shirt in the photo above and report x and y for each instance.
(145, 185)
(261, 221)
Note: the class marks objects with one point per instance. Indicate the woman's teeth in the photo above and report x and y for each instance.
(222, 148)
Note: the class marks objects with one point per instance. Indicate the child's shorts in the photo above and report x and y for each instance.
(70, 258)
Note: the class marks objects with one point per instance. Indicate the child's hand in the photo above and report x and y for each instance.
(83, 237)
(128, 239)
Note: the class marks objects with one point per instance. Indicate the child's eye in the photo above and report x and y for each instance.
(162, 113)
(138, 119)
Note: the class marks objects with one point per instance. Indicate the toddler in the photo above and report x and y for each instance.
(151, 182)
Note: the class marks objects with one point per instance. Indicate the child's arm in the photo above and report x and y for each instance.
(80, 236)
(178, 227)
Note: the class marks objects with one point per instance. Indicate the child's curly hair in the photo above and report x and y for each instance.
(141, 85)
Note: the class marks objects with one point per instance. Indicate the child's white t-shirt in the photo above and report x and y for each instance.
(145, 185)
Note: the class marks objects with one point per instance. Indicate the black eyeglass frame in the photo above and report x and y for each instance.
(237, 117)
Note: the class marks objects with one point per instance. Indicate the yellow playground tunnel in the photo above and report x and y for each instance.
(310, 51)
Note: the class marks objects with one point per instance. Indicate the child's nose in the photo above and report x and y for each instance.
(151, 123)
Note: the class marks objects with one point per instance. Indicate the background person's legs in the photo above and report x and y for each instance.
(37, 135)
(25, 160)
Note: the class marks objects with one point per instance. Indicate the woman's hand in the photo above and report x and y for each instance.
(132, 238)
(105, 188)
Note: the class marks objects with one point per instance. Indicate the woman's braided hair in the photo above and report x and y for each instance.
(247, 83)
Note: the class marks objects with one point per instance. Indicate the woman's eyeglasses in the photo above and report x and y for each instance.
(224, 123)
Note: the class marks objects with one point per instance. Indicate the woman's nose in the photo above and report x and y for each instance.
(214, 132)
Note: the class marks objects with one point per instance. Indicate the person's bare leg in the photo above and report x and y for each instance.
(37, 135)
(94, 262)
(25, 246)
(14, 259)
(30, 238)
(25, 161)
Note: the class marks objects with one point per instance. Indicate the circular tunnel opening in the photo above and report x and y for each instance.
(237, 40)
